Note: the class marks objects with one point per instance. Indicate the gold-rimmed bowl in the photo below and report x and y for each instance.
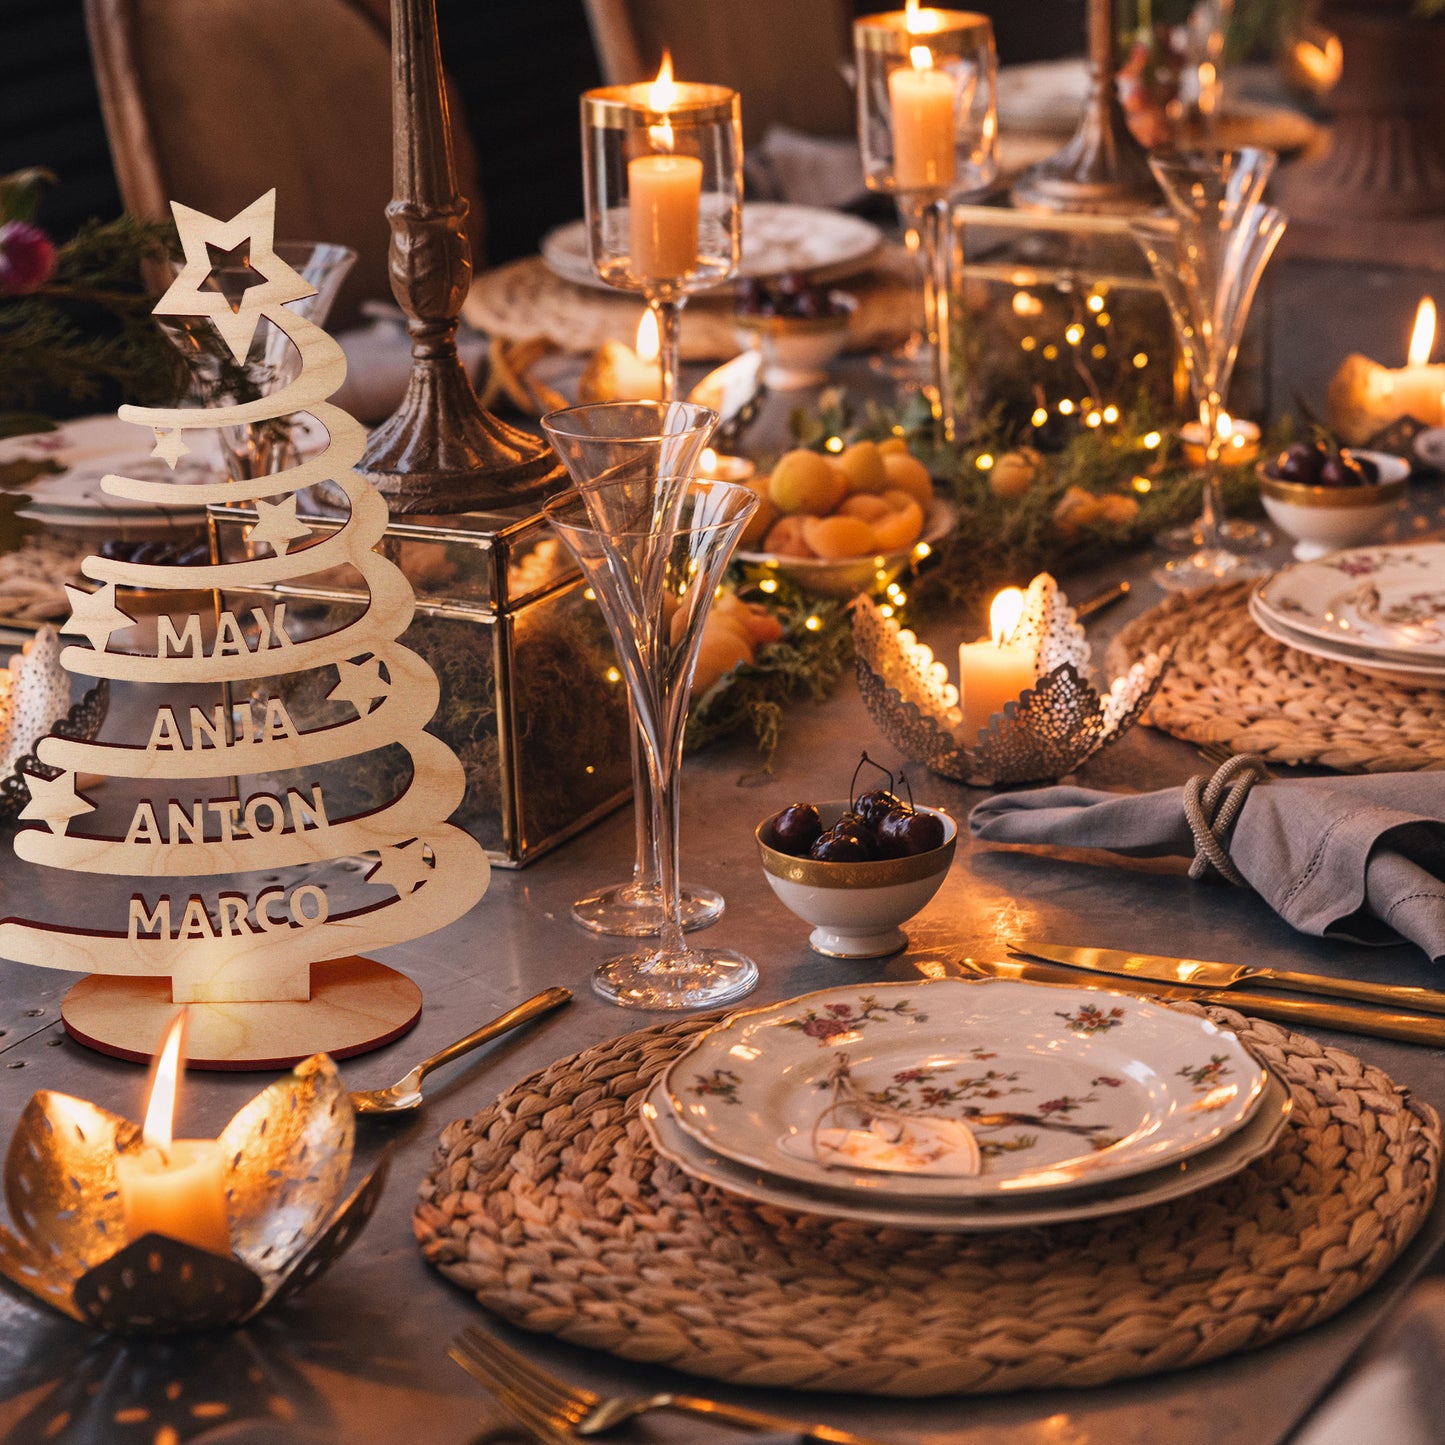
(856, 909)
(1325, 519)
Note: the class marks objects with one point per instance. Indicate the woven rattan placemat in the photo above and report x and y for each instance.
(1230, 683)
(552, 1207)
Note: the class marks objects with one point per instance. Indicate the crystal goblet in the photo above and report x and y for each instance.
(655, 589)
(652, 447)
(1208, 258)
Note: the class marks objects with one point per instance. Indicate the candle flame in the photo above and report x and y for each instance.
(1004, 615)
(159, 1127)
(921, 56)
(1422, 338)
(649, 344)
(707, 462)
(1223, 426)
(918, 21)
(662, 96)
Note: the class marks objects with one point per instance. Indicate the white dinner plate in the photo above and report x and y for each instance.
(1390, 597)
(824, 244)
(1386, 667)
(1063, 1088)
(1139, 1191)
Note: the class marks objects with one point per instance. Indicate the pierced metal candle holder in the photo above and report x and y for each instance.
(287, 1152)
(1049, 731)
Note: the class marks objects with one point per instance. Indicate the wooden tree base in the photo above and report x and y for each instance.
(355, 1005)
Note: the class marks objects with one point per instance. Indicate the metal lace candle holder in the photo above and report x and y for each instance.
(1049, 731)
(928, 131)
(662, 171)
(288, 1153)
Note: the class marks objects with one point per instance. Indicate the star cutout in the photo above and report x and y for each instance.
(54, 801)
(94, 614)
(204, 236)
(276, 523)
(170, 446)
(404, 868)
(231, 273)
(360, 684)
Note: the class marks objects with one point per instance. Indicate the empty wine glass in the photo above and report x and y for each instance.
(1208, 258)
(655, 590)
(652, 447)
(259, 449)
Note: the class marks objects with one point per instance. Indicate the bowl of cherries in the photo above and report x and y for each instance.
(858, 869)
(1327, 497)
(799, 327)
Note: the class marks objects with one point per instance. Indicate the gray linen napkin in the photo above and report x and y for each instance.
(1361, 858)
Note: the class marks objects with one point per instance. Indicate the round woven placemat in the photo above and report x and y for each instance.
(553, 1208)
(1230, 683)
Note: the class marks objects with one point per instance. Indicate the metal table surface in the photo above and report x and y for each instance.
(361, 1356)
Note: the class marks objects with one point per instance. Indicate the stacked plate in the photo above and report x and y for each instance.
(1378, 609)
(1081, 1102)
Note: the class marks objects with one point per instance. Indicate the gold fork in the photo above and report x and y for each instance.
(532, 1395)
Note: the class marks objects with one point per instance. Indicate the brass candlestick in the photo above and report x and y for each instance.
(1103, 168)
(440, 451)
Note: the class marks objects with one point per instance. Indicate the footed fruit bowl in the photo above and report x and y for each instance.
(855, 907)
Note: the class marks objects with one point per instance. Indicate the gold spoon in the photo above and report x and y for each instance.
(405, 1095)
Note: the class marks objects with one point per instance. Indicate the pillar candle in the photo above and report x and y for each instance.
(663, 200)
(994, 671)
(921, 100)
(179, 1193)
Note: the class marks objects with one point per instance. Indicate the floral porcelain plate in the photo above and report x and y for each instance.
(970, 1216)
(1375, 662)
(1390, 598)
(1062, 1088)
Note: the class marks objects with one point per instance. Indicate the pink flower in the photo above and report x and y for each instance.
(27, 258)
(842, 1010)
(824, 1028)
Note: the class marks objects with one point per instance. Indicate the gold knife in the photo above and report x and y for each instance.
(1197, 973)
(1297, 1012)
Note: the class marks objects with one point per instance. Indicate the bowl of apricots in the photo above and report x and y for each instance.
(839, 525)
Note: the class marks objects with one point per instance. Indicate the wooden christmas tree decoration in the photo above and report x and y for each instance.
(242, 957)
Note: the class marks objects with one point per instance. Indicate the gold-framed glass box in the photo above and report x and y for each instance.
(532, 700)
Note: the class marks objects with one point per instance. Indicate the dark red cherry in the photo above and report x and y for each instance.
(873, 806)
(1369, 469)
(1301, 462)
(904, 833)
(835, 847)
(1341, 471)
(850, 825)
(796, 829)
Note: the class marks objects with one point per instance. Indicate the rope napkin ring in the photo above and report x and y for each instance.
(1211, 807)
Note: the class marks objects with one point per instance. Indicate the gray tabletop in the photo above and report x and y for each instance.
(361, 1356)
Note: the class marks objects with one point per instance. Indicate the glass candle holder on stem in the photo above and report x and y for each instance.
(928, 129)
(662, 172)
(655, 585)
(650, 447)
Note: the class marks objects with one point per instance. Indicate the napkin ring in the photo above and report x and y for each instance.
(1212, 806)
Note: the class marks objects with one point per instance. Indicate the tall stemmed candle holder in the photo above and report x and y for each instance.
(927, 125)
(655, 579)
(662, 172)
(651, 447)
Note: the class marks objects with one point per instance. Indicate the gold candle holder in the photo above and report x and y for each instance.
(287, 1156)
(1050, 730)
(662, 171)
(928, 130)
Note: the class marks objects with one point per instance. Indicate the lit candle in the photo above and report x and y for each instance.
(718, 467)
(1239, 441)
(996, 670)
(921, 101)
(663, 195)
(174, 1187)
(1365, 397)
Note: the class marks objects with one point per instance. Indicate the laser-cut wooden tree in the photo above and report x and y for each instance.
(245, 959)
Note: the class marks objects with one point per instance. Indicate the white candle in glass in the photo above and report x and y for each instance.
(921, 102)
(663, 196)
